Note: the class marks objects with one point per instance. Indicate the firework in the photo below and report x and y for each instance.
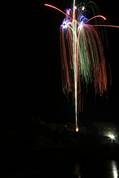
(82, 53)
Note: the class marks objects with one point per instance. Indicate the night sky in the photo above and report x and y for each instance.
(49, 101)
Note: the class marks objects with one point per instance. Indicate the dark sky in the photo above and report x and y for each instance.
(49, 102)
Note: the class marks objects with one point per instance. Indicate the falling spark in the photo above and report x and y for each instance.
(77, 129)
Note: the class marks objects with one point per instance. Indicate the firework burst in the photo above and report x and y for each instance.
(82, 52)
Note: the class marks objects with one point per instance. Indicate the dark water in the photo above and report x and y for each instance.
(68, 164)
(60, 153)
(63, 162)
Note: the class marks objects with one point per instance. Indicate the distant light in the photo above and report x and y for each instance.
(111, 135)
(75, 7)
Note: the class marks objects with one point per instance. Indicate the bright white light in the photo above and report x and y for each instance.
(114, 170)
(77, 129)
(111, 136)
(65, 24)
(83, 8)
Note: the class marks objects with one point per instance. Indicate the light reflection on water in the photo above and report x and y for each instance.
(58, 164)
(114, 169)
(76, 171)
(106, 169)
(66, 168)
